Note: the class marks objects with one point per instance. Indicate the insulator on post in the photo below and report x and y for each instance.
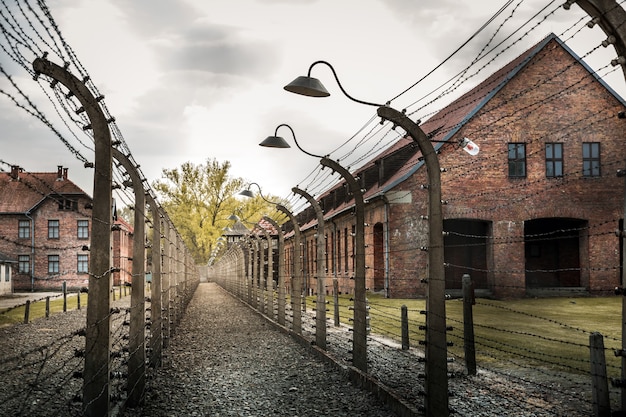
(619, 352)
(620, 60)
(568, 4)
(593, 22)
(608, 41)
(618, 383)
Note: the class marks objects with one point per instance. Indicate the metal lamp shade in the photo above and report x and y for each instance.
(274, 142)
(246, 193)
(307, 86)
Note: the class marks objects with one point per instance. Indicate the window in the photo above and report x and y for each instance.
(339, 251)
(345, 250)
(67, 204)
(554, 160)
(591, 159)
(53, 229)
(82, 264)
(23, 264)
(7, 273)
(53, 264)
(23, 229)
(83, 229)
(517, 160)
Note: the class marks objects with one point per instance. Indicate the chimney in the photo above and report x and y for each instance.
(65, 173)
(15, 172)
(59, 172)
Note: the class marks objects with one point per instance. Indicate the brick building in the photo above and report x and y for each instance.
(122, 255)
(534, 212)
(45, 227)
(6, 272)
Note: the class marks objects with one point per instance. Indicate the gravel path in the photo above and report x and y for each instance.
(225, 360)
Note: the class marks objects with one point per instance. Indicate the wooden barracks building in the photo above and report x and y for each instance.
(535, 212)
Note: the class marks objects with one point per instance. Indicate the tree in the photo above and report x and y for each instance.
(200, 198)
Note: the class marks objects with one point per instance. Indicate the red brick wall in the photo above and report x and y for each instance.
(552, 99)
(67, 247)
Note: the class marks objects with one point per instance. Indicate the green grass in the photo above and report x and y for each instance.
(551, 333)
(37, 309)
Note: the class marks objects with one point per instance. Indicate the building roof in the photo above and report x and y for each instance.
(22, 192)
(443, 125)
(238, 229)
(6, 259)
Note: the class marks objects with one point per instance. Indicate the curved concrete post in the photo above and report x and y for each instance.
(96, 386)
(296, 284)
(320, 308)
(436, 345)
(156, 314)
(136, 344)
(269, 280)
(280, 271)
(359, 341)
(610, 17)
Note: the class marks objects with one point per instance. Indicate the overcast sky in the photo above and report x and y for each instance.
(189, 80)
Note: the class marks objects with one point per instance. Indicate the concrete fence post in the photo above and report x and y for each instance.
(468, 325)
(599, 381)
(404, 323)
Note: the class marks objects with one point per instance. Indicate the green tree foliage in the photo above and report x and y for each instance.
(200, 199)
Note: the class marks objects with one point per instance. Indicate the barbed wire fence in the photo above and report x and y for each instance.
(99, 362)
(534, 372)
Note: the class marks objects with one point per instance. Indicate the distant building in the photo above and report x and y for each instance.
(122, 241)
(45, 227)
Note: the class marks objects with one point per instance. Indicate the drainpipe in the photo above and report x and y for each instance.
(32, 251)
(386, 244)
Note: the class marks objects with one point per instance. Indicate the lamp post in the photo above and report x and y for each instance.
(280, 270)
(320, 308)
(359, 339)
(436, 346)
(296, 285)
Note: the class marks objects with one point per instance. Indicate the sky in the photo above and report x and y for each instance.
(189, 80)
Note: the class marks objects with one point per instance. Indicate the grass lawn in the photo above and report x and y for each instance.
(551, 333)
(38, 309)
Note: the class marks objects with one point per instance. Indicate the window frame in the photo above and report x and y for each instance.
(54, 264)
(82, 263)
(23, 232)
(82, 230)
(552, 162)
(52, 228)
(517, 161)
(591, 171)
(23, 260)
